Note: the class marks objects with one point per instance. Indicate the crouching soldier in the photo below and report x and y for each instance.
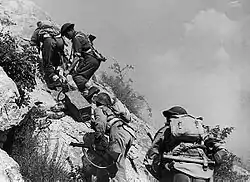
(181, 151)
(85, 61)
(120, 135)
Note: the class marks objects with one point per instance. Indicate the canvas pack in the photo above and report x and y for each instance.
(187, 128)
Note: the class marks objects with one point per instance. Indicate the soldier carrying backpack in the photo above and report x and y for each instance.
(47, 39)
(86, 60)
(112, 120)
(181, 151)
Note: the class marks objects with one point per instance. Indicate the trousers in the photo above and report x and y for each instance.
(85, 70)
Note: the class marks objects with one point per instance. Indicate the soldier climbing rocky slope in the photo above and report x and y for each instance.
(42, 122)
(48, 127)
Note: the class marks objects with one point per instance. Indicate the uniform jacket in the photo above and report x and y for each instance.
(81, 44)
(164, 142)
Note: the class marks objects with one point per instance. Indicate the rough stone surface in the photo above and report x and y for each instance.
(21, 16)
(58, 133)
(10, 114)
(9, 169)
(55, 129)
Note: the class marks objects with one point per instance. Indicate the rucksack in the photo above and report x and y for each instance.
(46, 30)
(90, 38)
(187, 128)
(121, 111)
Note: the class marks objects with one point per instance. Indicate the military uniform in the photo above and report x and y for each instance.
(166, 170)
(88, 63)
(120, 140)
(52, 52)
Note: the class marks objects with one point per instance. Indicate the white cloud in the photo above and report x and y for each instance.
(199, 73)
(211, 22)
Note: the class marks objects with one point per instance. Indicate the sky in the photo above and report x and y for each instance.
(191, 53)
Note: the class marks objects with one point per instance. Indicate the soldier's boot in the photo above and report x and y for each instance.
(54, 82)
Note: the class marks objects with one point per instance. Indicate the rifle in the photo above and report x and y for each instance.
(185, 159)
(73, 144)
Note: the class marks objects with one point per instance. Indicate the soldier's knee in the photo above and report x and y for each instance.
(80, 80)
(95, 63)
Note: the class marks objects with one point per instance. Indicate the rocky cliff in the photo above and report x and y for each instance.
(53, 130)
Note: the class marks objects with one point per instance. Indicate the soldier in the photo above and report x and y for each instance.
(85, 62)
(181, 164)
(52, 52)
(120, 134)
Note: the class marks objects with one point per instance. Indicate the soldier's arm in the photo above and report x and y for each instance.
(100, 120)
(154, 150)
(72, 66)
(80, 45)
(218, 149)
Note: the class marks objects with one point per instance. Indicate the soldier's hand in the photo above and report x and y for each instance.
(221, 156)
(169, 166)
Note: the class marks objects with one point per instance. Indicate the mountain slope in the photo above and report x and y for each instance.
(20, 18)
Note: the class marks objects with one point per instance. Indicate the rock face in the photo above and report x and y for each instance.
(21, 16)
(54, 130)
(58, 133)
(10, 114)
(9, 169)
(57, 130)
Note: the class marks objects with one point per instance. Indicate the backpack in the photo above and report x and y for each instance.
(45, 30)
(90, 38)
(48, 30)
(187, 128)
(121, 111)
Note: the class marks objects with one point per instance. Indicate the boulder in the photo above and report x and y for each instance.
(9, 169)
(10, 113)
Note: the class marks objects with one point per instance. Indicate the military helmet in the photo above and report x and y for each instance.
(66, 27)
(176, 110)
(103, 98)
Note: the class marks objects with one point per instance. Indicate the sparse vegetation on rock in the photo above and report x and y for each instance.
(225, 172)
(36, 164)
(123, 90)
(19, 62)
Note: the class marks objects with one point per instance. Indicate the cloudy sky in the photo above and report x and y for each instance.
(192, 53)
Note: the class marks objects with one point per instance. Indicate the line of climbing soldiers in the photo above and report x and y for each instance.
(111, 118)
(181, 151)
(56, 65)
